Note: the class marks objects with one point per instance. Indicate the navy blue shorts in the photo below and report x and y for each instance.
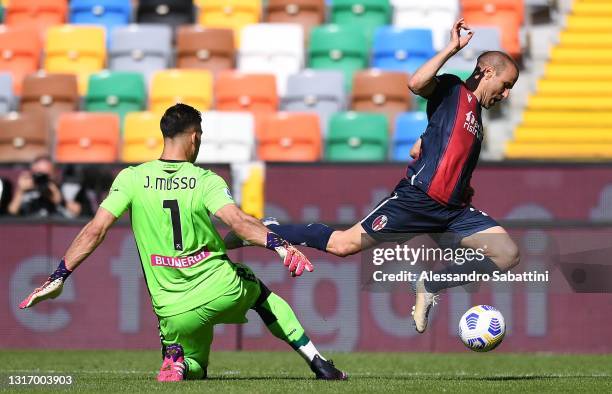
(409, 210)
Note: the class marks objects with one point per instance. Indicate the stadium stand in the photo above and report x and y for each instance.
(119, 92)
(274, 48)
(20, 53)
(230, 14)
(236, 91)
(484, 39)
(335, 47)
(23, 137)
(173, 13)
(108, 13)
(384, 92)
(6, 93)
(408, 129)
(321, 92)
(436, 16)
(365, 14)
(307, 13)
(229, 137)
(401, 49)
(141, 48)
(39, 14)
(50, 95)
(142, 140)
(75, 49)
(355, 136)
(289, 136)
(169, 87)
(84, 137)
(207, 48)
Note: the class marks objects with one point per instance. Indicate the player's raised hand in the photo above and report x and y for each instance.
(457, 41)
(293, 259)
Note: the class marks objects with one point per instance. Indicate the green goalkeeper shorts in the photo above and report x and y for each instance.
(194, 329)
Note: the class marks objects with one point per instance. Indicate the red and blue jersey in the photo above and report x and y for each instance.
(450, 146)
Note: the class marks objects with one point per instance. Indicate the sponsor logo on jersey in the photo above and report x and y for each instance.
(471, 124)
(179, 262)
(379, 223)
(228, 193)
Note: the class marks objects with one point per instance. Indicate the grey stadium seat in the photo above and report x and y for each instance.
(320, 91)
(485, 39)
(6, 93)
(141, 48)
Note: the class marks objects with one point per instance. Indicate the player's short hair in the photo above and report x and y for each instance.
(497, 59)
(178, 119)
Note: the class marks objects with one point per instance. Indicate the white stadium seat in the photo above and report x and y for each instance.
(438, 16)
(228, 137)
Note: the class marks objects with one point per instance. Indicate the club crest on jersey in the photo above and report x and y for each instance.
(379, 223)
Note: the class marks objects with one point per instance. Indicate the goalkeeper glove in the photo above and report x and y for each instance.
(52, 288)
(293, 259)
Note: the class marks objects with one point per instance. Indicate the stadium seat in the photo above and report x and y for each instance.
(274, 48)
(50, 94)
(141, 48)
(142, 137)
(119, 92)
(384, 92)
(75, 49)
(6, 93)
(401, 49)
(365, 14)
(235, 91)
(507, 15)
(19, 53)
(193, 87)
(229, 14)
(169, 12)
(321, 92)
(484, 39)
(438, 16)
(289, 136)
(107, 13)
(1, 13)
(408, 129)
(307, 13)
(354, 136)
(337, 47)
(39, 14)
(211, 49)
(85, 137)
(229, 137)
(23, 137)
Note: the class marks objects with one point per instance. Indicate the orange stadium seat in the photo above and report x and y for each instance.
(235, 91)
(307, 13)
(211, 49)
(23, 137)
(19, 53)
(76, 49)
(505, 14)
(87, 137)
(50, 94)
(193, 87)
(142, 138)
(231, 14)
(289, 136)
(40, 14)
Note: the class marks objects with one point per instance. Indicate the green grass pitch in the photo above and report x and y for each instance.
(284, 372)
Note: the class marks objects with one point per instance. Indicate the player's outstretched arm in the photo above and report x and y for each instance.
(250, 229)
(423, 81)
(83, 245)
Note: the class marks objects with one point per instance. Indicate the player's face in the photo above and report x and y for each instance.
(499, 85)
(196, 139)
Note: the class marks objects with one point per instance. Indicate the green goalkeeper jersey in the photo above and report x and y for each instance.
(182, 254)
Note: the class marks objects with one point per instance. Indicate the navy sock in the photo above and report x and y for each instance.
(486, 266)
(314, 235)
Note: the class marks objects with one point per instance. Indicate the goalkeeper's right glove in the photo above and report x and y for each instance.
(293, 259)
(52, 288)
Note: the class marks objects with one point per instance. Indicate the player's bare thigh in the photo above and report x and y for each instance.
(348, 242)
(497, 245)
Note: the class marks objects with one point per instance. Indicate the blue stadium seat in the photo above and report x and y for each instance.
(108, 13)
(6, 93)
(485, 39)
(408, 128)
(401, 49)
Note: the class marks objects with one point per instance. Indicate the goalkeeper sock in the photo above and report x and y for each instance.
(486, 266)
(314, 235)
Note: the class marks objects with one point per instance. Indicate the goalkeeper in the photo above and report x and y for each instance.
(192, 282)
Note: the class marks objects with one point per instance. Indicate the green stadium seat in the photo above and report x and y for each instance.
(357, 136)
(335, 47)
(366, 14)
(119, 92)
(1, 13)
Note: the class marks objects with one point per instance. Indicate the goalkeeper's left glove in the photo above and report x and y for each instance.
(293, 259)
(52, 288)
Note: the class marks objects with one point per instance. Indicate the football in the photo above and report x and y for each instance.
(482, 328)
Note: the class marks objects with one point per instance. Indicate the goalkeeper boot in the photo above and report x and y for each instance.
(173, 367)
(326, 370)
(233, 241)
(424, 301)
